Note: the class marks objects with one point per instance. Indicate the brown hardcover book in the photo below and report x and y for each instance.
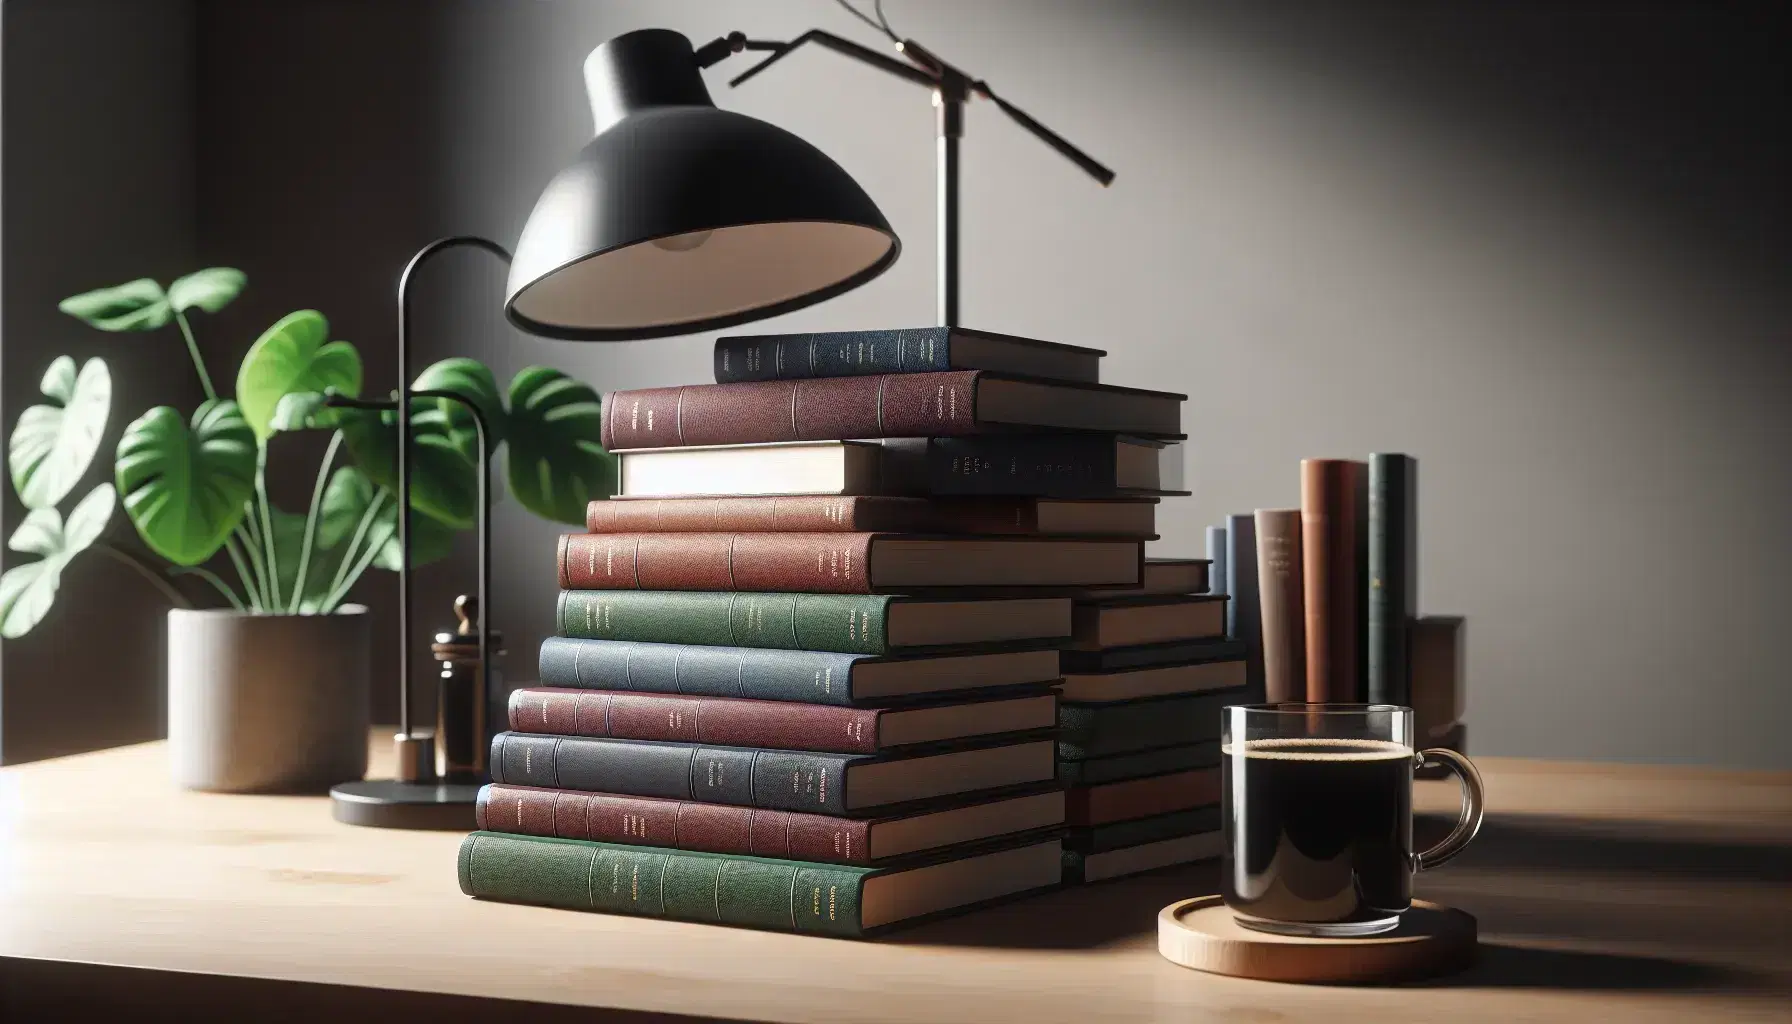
(892, 405)
(775, 724)
(1129, 622)
(1141, 798)
(838, 563)
(1437, 646)
(813, 513)
(1164, 577)
(1281, 587)
(1332, 493)
(756, 832)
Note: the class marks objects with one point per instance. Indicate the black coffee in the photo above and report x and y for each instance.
(1321, 830)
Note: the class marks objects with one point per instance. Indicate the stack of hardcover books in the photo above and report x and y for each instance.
(1145, 676)
(804, 677)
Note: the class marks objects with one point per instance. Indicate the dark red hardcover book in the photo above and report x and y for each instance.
(680, 824)
(839, 563)
(819, 513)
(947, 404)
(773, 724)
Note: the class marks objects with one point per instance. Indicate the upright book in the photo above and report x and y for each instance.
(839, 563)
(1332, 496)
(1393, 575)
(889, 405)
(823, 513)
(757, 892)
(1244, 621)
(843, 623)
(911, 350)
(1055, 465)
(1281, 589)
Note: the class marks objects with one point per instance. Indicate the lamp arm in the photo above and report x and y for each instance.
(734, 42)
(922, 68)
(404, 461)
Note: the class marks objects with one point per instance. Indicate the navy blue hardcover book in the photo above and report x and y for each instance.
(902, 350)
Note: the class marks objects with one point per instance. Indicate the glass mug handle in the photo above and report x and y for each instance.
(1468, 822)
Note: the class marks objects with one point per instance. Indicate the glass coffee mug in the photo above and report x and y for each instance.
(1317, 802)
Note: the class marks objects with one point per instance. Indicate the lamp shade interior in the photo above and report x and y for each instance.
(704, 277)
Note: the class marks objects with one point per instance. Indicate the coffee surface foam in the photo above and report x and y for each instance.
(1313, 749)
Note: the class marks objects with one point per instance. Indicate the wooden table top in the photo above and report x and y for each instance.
(1604, 892)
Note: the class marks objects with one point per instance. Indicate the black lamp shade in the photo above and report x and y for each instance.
(679, 217)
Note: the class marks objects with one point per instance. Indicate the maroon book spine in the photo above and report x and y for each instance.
(674, 824)
(724, 721)
(1332, 518)
(827, 409)
(816, 563)
(812, 513)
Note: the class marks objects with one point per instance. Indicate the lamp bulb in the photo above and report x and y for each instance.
(682, 243)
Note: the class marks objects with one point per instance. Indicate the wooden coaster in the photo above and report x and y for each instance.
(1203, 934)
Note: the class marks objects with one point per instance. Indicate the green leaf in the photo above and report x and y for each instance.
(28, 591)
(54, 444)
(289, 357)
(556, 462)
(345, 502)
(444, 480)
(210, 289)
(184, 488)
(470, 378)
(138, 305)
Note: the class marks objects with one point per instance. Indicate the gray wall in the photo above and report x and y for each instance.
(1543, 248)
(97, 189)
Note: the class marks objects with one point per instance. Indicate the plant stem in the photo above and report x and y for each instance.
(267, 525)
(251, 579)
(211, 577)
(317, 498)
(361, 528)
(205, 379)
(174, 596)
(361, 565)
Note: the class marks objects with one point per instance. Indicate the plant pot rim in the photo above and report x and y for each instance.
(344, 609)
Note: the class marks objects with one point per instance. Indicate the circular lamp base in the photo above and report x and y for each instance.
(388, 803)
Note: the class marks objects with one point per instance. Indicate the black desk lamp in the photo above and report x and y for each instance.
(677, 218)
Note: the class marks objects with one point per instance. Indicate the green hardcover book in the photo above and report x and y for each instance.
(1081, 868)
(754, 892)
(1095, 771)
(1102, 838)
(844, 623)
(1102, 730)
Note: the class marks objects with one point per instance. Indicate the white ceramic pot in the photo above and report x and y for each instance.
(267, 703)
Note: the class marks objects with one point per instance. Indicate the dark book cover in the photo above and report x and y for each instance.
(1393, 576)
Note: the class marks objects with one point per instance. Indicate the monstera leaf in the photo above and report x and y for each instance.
(184, 488)
(345, 504)
(28, 591)
(138, 305)
(210, 289)
(293, 356)
(444, 481)
(54, 444)
(470, 378)
(557, 463)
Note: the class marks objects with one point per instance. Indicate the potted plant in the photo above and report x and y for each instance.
(267, 687)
